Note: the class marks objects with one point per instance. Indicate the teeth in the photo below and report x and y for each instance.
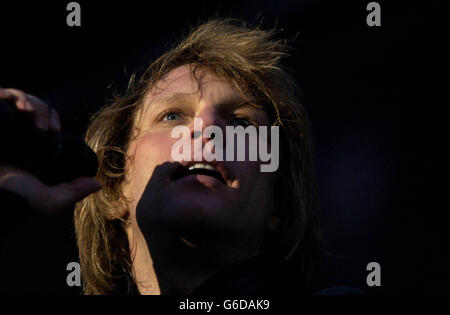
(202, 165)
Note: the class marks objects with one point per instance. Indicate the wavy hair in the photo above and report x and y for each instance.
(251, 58)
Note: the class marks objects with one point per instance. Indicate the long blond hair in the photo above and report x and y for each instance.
(250, 57)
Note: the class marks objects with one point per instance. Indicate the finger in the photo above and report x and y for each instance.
(66, 194)
(6, 94)
(55, 123)
(162, 173)
(18, 97)
(160, 177)
(24, 185)
(44, 199)
(41, 112)
(31, 104)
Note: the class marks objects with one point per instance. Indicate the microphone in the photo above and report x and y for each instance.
(50, 156)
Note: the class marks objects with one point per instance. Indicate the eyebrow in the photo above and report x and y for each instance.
(235, 102)
(166, 100)
(175, 98)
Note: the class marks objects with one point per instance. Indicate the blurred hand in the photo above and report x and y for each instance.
(42, 198)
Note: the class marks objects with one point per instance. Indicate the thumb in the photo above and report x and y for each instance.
(66, 194)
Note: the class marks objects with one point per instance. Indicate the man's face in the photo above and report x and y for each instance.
(196, 207)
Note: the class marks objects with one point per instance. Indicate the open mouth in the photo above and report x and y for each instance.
(199, 168)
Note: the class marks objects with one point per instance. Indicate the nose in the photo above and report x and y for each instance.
(210, 119)
(205, 118)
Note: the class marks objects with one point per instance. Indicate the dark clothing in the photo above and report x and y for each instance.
(254, 276)
(257, 276)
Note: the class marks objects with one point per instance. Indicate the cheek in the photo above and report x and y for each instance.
(148, 152)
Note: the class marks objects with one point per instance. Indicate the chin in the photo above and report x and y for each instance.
(198, 214)
(199, 206)
(201, 201)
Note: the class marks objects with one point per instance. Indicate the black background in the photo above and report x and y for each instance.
(377, 98)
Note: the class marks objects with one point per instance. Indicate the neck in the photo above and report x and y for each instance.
(178, 266)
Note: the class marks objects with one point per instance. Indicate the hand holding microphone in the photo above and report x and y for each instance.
(50, 169)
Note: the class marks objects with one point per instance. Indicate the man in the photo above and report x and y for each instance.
(165, 226)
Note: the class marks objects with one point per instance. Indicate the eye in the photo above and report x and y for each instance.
(171, 116)
(242, 122)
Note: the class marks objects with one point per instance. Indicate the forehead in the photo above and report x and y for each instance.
(203, 86)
